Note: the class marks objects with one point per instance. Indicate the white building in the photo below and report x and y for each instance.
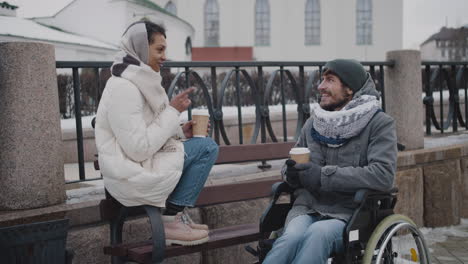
(292, 30)
(106, 20)
(68, 46)
(449, 44)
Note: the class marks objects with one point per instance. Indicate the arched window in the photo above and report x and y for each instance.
(171, 8)
(312, 22)
(364, 22)
(262, 23)
(211, 23)
(188, 46)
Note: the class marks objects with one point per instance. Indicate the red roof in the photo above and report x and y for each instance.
(222, 54)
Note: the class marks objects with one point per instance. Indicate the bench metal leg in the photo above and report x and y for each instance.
(159, 238)
(116, 227)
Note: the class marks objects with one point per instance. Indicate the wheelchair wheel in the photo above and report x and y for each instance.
(396, 240)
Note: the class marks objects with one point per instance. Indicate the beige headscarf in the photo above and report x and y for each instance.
(135, 41)
(131, 64)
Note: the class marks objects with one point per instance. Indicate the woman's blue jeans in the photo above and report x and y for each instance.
(200, 156)
(308, 239)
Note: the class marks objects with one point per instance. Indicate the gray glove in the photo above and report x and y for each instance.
(292, 174)
(309, 175)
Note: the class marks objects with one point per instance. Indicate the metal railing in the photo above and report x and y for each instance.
(298, 80)
(445, 79)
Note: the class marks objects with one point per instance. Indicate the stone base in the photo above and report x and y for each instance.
(232, 214)
(410, 194)
(464, 187)
(442, 193)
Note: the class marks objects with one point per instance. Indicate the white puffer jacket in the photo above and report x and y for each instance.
(140, 158)
(137, 132)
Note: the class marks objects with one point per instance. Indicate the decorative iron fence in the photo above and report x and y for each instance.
(259, 84)
(445, 79)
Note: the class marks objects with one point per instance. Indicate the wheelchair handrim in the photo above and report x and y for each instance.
(383, 227)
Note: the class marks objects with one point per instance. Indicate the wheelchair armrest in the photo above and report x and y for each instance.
(361, 195)
(274, 216)
(280, 187)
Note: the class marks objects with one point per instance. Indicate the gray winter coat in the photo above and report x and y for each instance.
(366, 161)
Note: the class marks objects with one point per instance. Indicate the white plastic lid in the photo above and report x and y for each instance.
(298, 151)
(200, 112)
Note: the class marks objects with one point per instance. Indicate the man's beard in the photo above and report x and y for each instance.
(340, 104)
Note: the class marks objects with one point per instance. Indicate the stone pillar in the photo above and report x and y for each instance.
(403, 101)
(31, 166)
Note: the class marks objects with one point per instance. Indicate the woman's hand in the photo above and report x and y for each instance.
(187, 128)
(181, 101)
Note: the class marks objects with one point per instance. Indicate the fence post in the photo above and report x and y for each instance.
(403, 97)
(31, 160)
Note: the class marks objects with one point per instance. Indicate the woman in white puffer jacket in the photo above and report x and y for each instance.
(143, 154)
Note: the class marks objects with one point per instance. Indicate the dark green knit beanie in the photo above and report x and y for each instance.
(350, 72)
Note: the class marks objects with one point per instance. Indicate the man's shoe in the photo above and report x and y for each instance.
(180, 233)
(186, 219)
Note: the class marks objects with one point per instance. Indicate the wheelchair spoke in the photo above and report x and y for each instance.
(396, 241)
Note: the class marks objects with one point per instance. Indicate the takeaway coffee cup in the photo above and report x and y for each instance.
(201, 118)
(300, 155)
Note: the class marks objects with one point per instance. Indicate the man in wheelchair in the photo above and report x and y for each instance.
(353, 146)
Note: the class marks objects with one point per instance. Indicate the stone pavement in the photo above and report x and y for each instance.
(448, 245)
(454, 250)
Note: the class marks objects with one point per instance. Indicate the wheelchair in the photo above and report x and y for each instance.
(373, 235)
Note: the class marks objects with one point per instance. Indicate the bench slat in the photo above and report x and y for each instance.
(222, 237)
(235, 192)
(210, 195)
(254, 152)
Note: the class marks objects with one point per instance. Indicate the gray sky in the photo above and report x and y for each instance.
(421, 18)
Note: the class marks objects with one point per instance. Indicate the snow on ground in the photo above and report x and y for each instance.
(433, 142)
(70, 124)
(440, 234)
(429, 142)
(228, 111)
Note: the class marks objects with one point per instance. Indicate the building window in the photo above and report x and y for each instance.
(312, 22)
(171, 8)
(364, 22)
(443, 52)
(211, 23)
(262, 23)
(188, 46)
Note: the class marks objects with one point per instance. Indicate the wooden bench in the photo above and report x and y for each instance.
(154, 251)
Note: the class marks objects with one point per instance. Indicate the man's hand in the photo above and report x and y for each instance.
(187, 128)
(181, 101)
(292, 174)
(309, 175)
